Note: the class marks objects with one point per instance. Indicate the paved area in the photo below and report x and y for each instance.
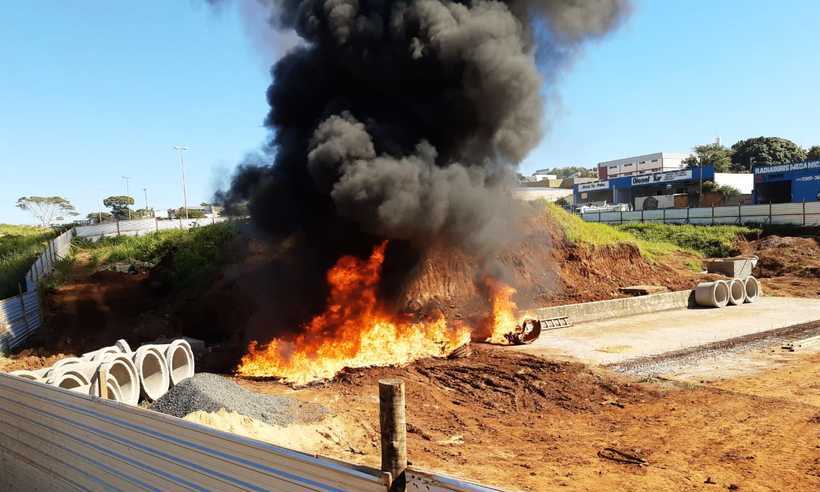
(617, 340)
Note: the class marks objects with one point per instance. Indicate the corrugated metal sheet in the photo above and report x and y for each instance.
(140, 227)
(53, 439)
(424, 481)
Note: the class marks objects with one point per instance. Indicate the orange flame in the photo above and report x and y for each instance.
(355, 330)
(504, 318)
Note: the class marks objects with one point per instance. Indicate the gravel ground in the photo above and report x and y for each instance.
(682, 359)
(211, 392)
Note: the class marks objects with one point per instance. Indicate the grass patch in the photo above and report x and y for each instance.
(19, 247)
(199, 252)
(708, 240)
(577, 230)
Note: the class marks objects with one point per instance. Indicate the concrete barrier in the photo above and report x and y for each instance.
(617, 308)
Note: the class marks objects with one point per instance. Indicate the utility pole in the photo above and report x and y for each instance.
(127, 193)
(145, 191)
(751, 163)
(180, 149)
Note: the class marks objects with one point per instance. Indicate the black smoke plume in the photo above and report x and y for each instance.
(405, 120)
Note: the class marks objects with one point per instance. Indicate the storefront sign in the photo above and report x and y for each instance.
(782, 168)
(597, 185)
(662, 177)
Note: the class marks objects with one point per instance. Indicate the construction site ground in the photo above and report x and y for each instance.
(522, 422)
(614, 340)
(709, 401)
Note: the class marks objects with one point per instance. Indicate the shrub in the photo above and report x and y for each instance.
(708, 240)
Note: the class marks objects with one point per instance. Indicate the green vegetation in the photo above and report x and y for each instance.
(198, 252)
(713, 241)
(577, 230)
(19, 247)
(653, 240)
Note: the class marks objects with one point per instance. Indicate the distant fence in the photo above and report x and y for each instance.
(22, 315)
(805, 214)
(140, 226)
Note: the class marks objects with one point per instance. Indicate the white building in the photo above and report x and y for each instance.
(641, 164)
(543, 175)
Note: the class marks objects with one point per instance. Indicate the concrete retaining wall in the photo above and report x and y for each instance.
(617, 308)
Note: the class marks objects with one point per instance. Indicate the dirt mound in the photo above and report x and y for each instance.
(544, 268)
(788, 265)
(503, 382)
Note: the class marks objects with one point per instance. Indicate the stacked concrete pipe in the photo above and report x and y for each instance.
(179, 359)
(752, 289)
(149, 371)
(712, 294)
(737, 292)
(153, 372)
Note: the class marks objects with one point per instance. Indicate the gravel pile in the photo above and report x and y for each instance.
(211, 392)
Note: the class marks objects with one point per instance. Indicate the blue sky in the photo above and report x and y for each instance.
(91, 91)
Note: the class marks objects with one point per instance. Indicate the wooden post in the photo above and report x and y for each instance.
(641, 215)
(393, 426)
(156, 224)
(599, 216)
(770, 212)
(687, 214)
(713, 214)
(664, 215)
(804, 213)
(622, 217)
(739, 214)
(118, 227)
(102, 378)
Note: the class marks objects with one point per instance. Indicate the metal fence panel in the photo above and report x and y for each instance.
(62, 437)
(424, 481)
(780, 213)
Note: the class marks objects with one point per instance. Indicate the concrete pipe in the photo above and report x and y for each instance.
(39, 376)
(179, 358)
(123, 371)
(123, 346)
(712, 294)
(153, 372)
(752, 288)
(71, 380)
(90, 371)
(737, 292)
(99, 355)
(65, 362)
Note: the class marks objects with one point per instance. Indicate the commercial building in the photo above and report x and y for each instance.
(785, 183)
(641, 165)
(680, 188)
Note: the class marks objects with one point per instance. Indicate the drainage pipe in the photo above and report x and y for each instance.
(737, 291)
(70, 380)
(39, 375)
(178, 357)
(712, 294)
(90, 371)
(752, 288)
(123, 372)
(152, 371)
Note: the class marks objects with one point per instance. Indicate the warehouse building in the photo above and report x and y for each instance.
(640, 165)
(787, 183)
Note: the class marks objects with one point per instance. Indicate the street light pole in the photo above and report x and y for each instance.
(180, 149)
(128, 194)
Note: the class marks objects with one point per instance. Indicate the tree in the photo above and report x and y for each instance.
(714, 154)
(813, 154)
(119, 205)
(765, 150)
(45, 208)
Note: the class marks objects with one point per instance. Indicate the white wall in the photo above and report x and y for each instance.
(743, 182)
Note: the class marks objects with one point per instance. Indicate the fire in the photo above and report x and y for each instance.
(504, 318)
(355, 330)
